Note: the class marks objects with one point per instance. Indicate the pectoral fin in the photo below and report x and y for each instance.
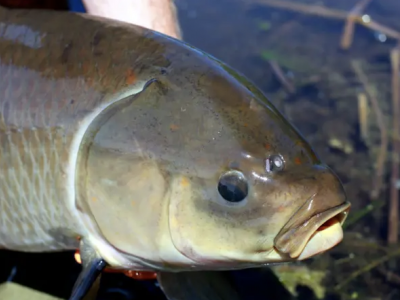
(92, 266)
(201, 285)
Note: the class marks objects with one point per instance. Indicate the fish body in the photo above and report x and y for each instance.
(157, 155)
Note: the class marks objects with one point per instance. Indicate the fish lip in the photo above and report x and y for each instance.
(292, 241)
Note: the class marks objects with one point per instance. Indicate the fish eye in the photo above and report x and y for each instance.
(233, 186)
(274, 163)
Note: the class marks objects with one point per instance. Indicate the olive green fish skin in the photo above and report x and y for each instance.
(51, 77)
(119, 135)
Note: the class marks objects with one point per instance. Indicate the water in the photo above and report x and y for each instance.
(321, 99)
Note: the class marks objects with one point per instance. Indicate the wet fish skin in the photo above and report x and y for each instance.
(50, 83)
(119, 135)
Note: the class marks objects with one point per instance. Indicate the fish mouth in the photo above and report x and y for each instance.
(318, 234)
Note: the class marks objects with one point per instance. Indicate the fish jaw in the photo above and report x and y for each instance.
(320, 233)
(323, 240)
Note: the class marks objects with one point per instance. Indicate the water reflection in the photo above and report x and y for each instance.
(22, 34)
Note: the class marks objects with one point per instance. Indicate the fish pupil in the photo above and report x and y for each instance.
(233, 186)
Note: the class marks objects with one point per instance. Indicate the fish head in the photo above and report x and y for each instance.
(200, 171)
(257, 193)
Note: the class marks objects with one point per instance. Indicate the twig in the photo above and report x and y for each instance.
(347, 37)
(319, 10)
(380, 164)
(367, 268)
(389, 275)
(281, 76)
(393, 231)
(363, 111)
(361, 213)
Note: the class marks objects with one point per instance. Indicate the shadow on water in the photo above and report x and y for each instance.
(298, 61)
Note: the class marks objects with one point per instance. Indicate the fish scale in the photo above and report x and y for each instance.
(41, 112)
(29, 161)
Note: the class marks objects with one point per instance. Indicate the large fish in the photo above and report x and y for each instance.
(149, 153)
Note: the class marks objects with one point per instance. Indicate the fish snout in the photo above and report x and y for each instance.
(317, 226)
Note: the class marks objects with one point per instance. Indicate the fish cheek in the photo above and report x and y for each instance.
(212, 233)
